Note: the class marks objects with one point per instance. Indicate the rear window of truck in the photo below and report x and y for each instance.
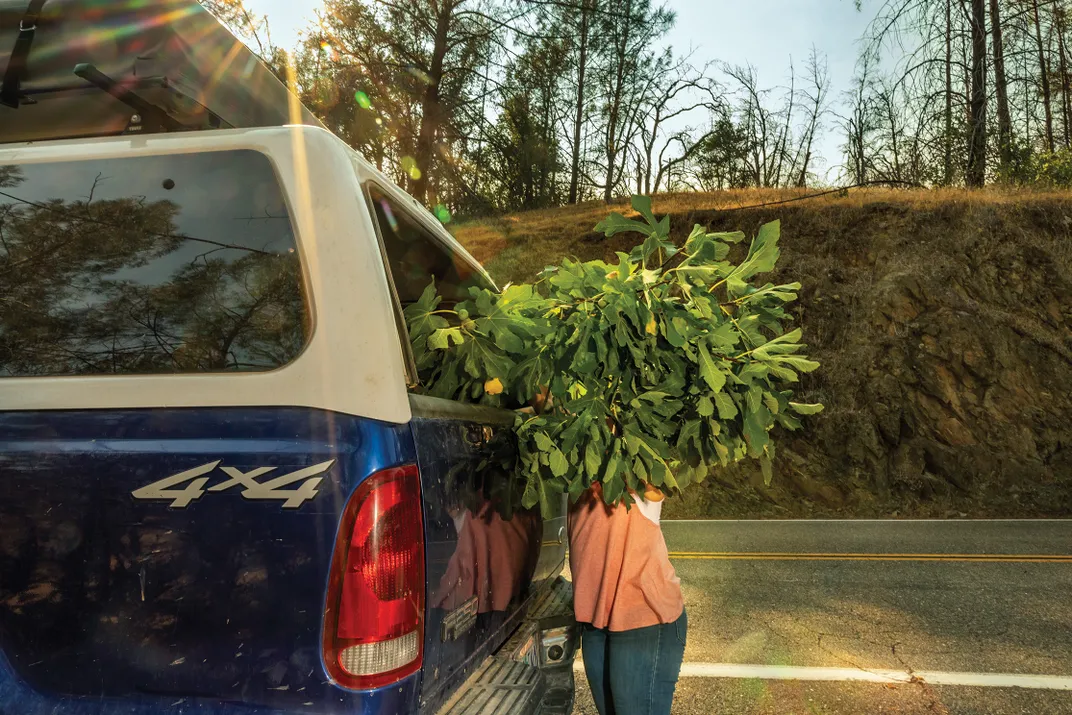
(415, 258)
(149, 265)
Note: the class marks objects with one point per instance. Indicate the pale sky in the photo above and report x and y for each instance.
(766, 33)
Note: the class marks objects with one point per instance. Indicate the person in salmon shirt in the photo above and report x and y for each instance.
(494, 560)
(627, 600)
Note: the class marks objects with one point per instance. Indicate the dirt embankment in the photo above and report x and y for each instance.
(944, 326)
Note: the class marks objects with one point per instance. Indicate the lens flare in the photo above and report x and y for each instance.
(389, 214)
(442, 213)
(409, 166)
(362, 99)
(119, 29)
(418, 73)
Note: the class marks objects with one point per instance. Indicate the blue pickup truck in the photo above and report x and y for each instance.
(221, 491)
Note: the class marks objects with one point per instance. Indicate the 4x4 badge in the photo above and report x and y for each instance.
(252, 489)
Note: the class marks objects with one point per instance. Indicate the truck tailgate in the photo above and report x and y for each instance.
(213, 589)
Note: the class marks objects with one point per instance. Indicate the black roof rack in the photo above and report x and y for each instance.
(78, 68)
(15, 72)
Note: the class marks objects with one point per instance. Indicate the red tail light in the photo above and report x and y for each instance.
(374, 619)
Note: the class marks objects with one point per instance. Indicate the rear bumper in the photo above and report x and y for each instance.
(533, 673)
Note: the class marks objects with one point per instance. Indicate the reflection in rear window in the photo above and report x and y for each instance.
(168, 264)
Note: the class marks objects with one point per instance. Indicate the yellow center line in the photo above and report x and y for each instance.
(763, 556)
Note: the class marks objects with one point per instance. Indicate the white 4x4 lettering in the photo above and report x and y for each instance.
(252, 489)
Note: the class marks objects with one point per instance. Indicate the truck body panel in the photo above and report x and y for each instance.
(174, 474)
(108, 601)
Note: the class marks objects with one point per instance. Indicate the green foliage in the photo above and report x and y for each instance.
(659, 368)
(1053, 169)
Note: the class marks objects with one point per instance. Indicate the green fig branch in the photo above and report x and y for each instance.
(658, 369)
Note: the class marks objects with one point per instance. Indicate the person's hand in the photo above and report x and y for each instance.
(652, 494)
(542, 400)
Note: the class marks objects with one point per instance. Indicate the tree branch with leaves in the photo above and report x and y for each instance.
(659, 368)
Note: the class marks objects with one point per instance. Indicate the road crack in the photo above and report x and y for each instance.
(932, 700)
(934, 704)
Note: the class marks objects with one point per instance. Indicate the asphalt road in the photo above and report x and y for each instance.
(909, 604)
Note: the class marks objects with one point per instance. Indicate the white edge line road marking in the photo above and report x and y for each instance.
(856, 521)
(777, 672)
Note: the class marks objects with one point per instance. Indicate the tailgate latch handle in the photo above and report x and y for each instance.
(478, 435)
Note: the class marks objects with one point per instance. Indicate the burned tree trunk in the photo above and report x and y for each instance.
(1001, 91)
(976, 174)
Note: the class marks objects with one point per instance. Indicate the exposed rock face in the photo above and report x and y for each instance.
(944, 324)
(945, 333)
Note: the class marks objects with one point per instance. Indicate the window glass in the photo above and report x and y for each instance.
(415, 257)
(167, 264)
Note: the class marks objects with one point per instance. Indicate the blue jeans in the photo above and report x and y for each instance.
(634, 672)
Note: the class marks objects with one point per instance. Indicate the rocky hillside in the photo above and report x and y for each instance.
(944, 325)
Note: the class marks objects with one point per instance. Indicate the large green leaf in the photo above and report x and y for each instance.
(755, 433)
(445, 337)
(543, 442)
(642, 205)
(593, 460)
(785, 293)
(725, 336)
(798, 363)
(558, 463)
(782, 345)
(616, 223)
(763, 253)
(715, 378)
(613, 489)
(767, 468)
(802, 409)
(727, 410)
(421, 318)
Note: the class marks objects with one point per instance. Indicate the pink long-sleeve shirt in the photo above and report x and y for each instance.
(622, 576)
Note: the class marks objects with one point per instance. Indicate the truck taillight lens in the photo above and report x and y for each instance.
(374, 617)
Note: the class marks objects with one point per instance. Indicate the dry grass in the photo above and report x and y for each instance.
(515, 246)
